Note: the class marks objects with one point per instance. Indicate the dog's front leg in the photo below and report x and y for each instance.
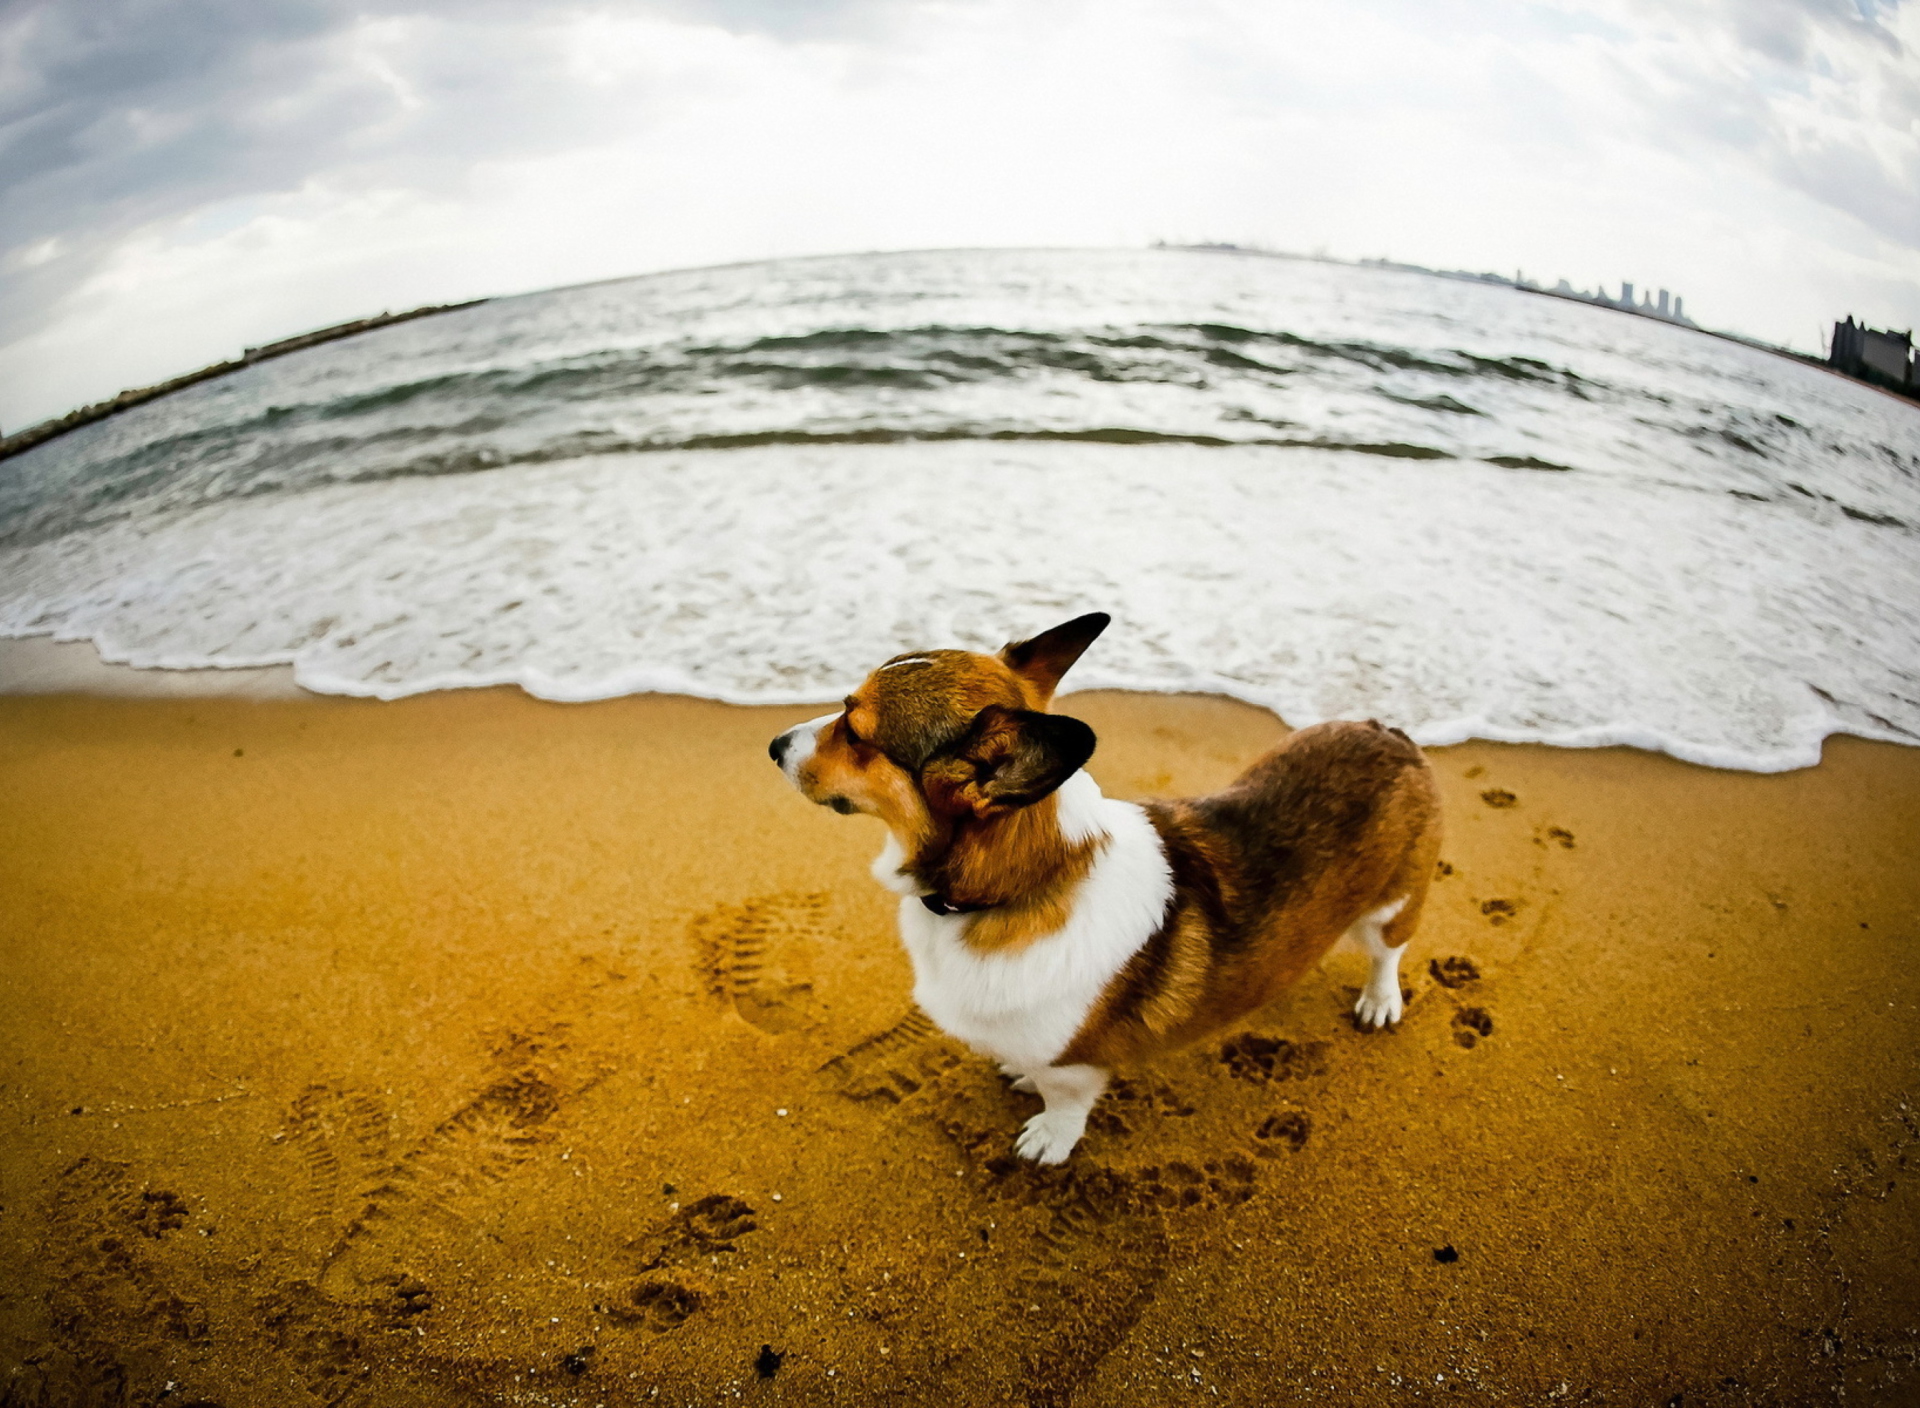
(1069, 1092)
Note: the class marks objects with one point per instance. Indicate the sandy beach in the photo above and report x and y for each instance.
(472, 1049)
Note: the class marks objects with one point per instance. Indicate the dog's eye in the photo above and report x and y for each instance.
(847, 723)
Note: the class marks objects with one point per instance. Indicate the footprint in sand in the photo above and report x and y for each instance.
(420, 1211)
(1079, 1256)
(339, 1141)
(1083, 1247)
(894, 1065)
(757, 957)
(326, 1347)
(1080, 1284)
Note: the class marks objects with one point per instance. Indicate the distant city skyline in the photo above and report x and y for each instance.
(1652, 303)
(181, 180)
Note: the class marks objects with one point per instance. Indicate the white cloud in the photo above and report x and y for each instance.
(1761, 157)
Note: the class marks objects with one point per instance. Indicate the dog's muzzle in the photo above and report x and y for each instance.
(791, 750)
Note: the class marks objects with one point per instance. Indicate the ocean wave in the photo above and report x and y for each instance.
(1203, 383)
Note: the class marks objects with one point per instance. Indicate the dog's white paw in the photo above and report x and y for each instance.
(1378, 1008)
(1049, 1136)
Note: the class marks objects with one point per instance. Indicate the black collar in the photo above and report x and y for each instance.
(939, 904)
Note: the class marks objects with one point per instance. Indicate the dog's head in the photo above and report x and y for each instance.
(939, 737)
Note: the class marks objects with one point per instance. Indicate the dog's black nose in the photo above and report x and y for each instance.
(777, 750)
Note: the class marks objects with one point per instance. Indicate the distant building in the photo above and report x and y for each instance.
(1883, 358)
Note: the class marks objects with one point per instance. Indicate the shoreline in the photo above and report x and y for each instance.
(36, 665)
(40, 665)
(469, 1046)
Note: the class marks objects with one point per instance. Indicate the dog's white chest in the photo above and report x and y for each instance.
(1023, 1008)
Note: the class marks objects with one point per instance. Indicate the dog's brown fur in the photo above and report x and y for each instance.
(1337, 821)
(954, 752)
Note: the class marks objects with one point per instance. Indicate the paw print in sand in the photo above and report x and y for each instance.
(1470, 1024)
(666, 1295)
(1130, 1104)
(657, 1305)
(1287, 1130)
(411, 1296)
(712, 1224)
(1216, 1183)
(1453, 972)
(1260, 1059)
(158, 1212)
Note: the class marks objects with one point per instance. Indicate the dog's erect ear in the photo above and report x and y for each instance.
(1044, 659)
(1007, 758)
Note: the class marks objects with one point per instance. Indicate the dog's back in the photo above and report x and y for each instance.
(1337, 825)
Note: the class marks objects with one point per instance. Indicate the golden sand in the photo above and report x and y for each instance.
(471, 1049)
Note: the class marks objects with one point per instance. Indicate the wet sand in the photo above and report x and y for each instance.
(471, 1049)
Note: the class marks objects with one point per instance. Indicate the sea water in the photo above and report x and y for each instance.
(1336, 491)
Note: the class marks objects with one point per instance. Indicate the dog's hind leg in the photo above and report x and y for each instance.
(1020, 1080)
(1380, 1004)
(1069, 1091)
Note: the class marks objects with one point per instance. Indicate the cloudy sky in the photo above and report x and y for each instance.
(180, 178)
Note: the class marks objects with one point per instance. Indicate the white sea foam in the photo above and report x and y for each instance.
(1479, 602)
(1549, 522)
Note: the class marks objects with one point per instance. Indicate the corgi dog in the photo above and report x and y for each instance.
(1063, 933)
